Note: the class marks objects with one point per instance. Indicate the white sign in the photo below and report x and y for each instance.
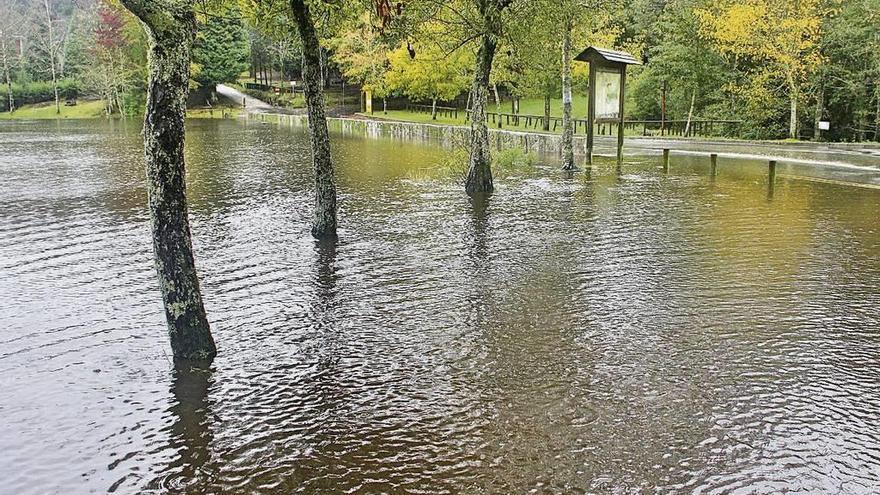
(824, 125)
(607, 94)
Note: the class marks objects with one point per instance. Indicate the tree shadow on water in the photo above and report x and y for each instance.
(477, 243)
(325, 273)
(190, 433)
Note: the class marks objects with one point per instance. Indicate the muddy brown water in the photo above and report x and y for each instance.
(618, 331)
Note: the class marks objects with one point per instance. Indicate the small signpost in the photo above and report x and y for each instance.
(607, 91)
(367, 106)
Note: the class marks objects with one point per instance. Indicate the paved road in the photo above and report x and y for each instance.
(251, 104)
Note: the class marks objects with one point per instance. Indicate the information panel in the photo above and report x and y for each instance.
(607, 94)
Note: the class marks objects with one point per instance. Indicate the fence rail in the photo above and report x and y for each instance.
(697, 127)
(451, 112)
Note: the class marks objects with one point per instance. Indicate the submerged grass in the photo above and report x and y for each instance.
(454, 164)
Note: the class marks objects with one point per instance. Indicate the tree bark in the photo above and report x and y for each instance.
(497, 104)
(793, 122)
(171, 28)
(434, 108)
(324, 224)
(567, 127)
(687, 127)
(546, 113)
(6, 71)
(52, 56)
(820, 111)
(877, 114)
(479, 176)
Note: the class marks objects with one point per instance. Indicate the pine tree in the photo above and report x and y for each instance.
(221, 52)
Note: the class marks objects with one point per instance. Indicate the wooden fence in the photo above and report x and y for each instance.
(451, 112)
(698, 127)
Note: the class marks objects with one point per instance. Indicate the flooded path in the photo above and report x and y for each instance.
(614, 332)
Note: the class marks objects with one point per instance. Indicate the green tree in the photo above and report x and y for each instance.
(780, 36)
(685, 62)
(848, 86)
(363, 55)
(221, 50)
(423, 71)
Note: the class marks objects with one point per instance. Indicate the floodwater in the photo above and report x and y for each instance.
(622, 331)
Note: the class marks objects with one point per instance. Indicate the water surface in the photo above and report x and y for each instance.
(613, 332)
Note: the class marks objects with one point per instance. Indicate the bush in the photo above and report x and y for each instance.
(515, 157)
(41, 91)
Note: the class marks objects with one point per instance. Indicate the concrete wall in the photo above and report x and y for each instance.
(444, 135)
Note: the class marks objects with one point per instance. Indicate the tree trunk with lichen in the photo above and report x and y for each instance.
(567, 125)
(479, 176)
(324, 224)
(171, 29)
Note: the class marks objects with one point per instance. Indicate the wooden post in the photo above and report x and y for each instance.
(591, 113)
(771, 185)
(620, 125)
(666, 160)
(714, 159)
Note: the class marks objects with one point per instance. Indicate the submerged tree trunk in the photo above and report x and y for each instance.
(171, 29)
(324, 224)
(546, 113)
(687, 127)
(479, 177)
(567, 127)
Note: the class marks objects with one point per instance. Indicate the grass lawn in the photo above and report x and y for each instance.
(424, 118)
(535, 106)
(93, 109)
(82, 110)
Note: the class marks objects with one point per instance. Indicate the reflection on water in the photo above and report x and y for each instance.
(190, 433)
(613, 331)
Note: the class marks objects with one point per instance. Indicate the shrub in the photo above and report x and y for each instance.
(515, 157)
(40, 91)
